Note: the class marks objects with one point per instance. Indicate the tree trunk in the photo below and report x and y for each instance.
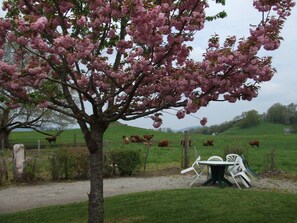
(94, 140)
(4, 138)
(96, 200)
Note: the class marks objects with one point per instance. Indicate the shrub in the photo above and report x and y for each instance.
(109, 167)
(61, 165)
(31, 170)
(70, 164)
(3, 170)
(80, 159)
(269, 162)
(126, 161)
(75, 164)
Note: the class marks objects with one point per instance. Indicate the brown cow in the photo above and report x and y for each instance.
(51, 139)
(125, 139)
(254, 143)
(163, 143)
(147, 138)
(208, 143)
(135, 138)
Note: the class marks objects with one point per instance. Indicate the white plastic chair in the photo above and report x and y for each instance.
(238, 171)
(212, 158)
(248, 170)
(244, 165)
(231, 157)
(196, 168)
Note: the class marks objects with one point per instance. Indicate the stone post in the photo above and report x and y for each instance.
(18, 161)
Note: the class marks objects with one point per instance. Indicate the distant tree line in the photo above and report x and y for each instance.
(277, 113)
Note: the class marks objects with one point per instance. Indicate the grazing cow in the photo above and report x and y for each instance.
(163, 143)
(135, 139)
(254, 143)
(183, 143)
(147, 138)
(125, 139)
(208, 143)
(51, 139)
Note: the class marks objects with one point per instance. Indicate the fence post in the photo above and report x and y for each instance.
(185, 144)
(38, 146)
(74, 140)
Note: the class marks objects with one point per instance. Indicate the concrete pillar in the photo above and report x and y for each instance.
(18, 161)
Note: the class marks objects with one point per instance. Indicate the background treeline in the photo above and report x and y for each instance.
(277, 113)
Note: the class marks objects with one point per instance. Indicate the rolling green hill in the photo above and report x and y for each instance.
(264, 128)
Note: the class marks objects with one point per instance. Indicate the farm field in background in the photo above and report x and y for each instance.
(274, 144)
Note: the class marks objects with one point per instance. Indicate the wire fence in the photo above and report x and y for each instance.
(153, 157)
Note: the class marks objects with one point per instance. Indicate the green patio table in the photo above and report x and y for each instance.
(217, 171)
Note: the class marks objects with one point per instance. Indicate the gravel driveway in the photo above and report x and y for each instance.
(17, 198)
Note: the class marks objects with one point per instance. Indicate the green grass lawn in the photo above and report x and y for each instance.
(187, 205)
(175, 206)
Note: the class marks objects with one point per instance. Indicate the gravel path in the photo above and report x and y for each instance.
(17, 198)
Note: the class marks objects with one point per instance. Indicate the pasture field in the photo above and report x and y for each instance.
(182, 205)
(277, 151)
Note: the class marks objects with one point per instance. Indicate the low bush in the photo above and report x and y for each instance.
(81, 163)
(126, 161)
(31, 170)
(75, 164)
(61, 164)
(109, 167)
(3, 170)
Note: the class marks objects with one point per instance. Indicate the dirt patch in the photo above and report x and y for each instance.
(17, 198)
(168, 171)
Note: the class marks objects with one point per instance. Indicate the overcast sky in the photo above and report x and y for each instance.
(281, 89)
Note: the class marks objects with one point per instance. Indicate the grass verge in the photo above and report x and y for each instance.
(175, 206)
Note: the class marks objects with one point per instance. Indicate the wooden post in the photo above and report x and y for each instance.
(185, 145)
(74, 140)
(38, 146)
(146, 155)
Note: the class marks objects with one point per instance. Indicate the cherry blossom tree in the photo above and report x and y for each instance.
(128, 59)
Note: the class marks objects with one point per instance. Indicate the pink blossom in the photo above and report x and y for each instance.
(180, 114)
(22, 40)
(40, 24)
(83, 81)
(65, 41)
(81, 21)
(156, 118)
(14, 86)
(157, 124)
(203, 121)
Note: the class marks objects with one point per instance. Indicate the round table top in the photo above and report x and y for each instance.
(216, 162)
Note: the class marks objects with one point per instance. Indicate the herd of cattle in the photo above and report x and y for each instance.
(146, 139)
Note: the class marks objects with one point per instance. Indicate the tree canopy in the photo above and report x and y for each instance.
(129, 59)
